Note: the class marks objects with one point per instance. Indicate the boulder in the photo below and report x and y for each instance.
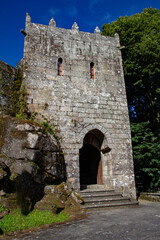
(24, 146)
(30, 159)
(59, 198)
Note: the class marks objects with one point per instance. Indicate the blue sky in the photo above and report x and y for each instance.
(87, 13)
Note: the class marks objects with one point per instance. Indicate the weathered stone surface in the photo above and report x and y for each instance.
(52, 23)
(29, 160)
(2, 173)
(59, 198)
(24, 143)
(154, 197)
(7, 74)
(97, 30)
(78, 104)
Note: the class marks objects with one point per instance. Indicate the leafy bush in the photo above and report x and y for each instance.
(146, 154)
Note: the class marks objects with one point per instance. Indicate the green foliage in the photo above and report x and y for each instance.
(16, 221)
(140, 34)
(14, 92)
(146, 149)
(48, 128)
(20, 107)
(2, 208)
(18, 95)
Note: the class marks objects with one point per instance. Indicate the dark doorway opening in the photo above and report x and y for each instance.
(89, 162)
(90, 158)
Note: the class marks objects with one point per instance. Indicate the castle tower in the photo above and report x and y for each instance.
(75, 80)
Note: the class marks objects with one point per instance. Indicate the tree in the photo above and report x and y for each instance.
(146, 148)
(140, 34)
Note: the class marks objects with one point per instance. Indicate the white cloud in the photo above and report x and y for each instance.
(72, 11)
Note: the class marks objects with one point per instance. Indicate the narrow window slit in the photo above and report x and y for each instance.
(60, 66)
(92, 70)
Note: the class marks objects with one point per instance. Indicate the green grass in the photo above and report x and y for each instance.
(16, 221)
(2, 208)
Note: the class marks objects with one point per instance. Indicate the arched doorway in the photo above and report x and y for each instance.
(90, 158)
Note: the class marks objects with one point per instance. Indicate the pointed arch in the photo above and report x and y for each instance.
(107, 141)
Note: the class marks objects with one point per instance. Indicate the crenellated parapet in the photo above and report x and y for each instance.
(52, 22)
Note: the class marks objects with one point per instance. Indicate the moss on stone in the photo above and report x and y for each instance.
(13, 128)
(60, 199)
(79, 197)
(19, 134)
(150, 197)
(2, 129)
(2, 171)
(9, 201)
(71, 206)
(12, 90)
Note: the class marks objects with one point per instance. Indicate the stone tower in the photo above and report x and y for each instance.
(75, 80)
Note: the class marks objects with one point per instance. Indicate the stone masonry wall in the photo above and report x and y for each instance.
(77, 103)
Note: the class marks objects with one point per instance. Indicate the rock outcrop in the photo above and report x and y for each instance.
(30, 159)
(7, 77)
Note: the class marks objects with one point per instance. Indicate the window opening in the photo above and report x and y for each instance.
(92, 70)
(60, 66)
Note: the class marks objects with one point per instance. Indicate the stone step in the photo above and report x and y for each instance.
(107, 205)
(107, 200)
(103, 198)
(95, 187)
(100, 194)
(97, 190)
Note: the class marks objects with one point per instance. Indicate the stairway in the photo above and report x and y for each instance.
(95, 197)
